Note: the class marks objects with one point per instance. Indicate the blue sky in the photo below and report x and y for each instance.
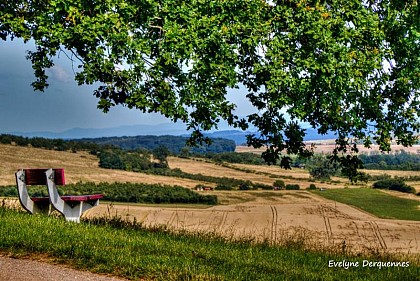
(64, 105)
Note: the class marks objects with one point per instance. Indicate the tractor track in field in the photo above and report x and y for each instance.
(327, 224)
(274, 222)
(222, 222)
(173, 217)
(377, 233)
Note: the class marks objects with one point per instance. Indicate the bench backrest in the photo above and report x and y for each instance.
(37, 177)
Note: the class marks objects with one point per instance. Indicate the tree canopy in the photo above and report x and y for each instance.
(347, 66)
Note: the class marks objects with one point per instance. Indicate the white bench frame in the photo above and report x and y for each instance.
(71, 207)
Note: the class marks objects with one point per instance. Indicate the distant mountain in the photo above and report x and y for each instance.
(240, 136)
(133, 130)
(177, 129)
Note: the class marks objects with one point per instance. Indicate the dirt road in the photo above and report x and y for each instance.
(29, 270)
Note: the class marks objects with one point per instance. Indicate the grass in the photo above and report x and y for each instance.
(375, 202)
(133, 252)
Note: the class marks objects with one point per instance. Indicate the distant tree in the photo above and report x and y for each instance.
(111, 160)
(292, 187)
(161, 154)
(279, 184)
(346, 66)
(312, 187)
(321, 167)
(185, 152)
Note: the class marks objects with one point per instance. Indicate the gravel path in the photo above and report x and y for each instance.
(30, 270)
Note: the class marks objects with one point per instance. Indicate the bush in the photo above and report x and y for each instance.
(278, 184)
(292, 187)
(394, 184)
(379, 177)
(312, 186)
(223, 187)
(262, 186)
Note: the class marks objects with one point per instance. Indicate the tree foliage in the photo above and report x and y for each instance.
(161, 154)
(321, 167)
(175, 144)
(347, 66)
(400, 160)
(394, 184)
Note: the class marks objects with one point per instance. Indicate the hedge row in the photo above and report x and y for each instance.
(394, 184)
(124, 192)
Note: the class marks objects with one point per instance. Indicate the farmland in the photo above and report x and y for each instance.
(263, 216)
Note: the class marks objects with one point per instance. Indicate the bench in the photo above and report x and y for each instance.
(70, 206)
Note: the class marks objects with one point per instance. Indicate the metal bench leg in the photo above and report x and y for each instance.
(24, 198)
(71, 211)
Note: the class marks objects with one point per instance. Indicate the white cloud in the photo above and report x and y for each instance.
(60, 74)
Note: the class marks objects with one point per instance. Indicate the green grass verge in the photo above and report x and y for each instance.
(159, 255)
(375, 202)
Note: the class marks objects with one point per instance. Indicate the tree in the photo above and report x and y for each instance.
(321, 167)
(279, 184)
(347, 66)
(161, 154)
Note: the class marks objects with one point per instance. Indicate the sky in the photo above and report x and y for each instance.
(63, 105)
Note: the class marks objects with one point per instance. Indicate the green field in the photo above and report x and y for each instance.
(375, 202)
(133, 252)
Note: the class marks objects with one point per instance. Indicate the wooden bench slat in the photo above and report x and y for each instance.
(82, 197)
(41, 199)
(74, 198)
(37, 176)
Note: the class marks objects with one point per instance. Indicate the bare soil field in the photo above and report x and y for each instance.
(282, 217)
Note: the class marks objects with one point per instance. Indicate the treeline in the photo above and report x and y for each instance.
(175, 144)
(139, 160)
(237, 158)
(400, 160)
(124, 192)
(51, 144)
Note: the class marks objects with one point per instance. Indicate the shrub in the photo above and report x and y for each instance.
(379, 177)
(312, 186)
(292, 187)
(262, 186)
(278, 184)
(394, 184)
(221, 186)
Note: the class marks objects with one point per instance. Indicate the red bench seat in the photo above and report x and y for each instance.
(67, 198)
(71, 206)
